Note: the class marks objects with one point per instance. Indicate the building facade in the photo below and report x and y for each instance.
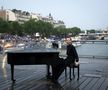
(23, 16)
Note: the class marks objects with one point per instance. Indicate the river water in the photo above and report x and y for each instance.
(98, 49)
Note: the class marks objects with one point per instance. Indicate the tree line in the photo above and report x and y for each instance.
(32, 26)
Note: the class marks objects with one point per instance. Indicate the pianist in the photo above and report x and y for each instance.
(71, 58)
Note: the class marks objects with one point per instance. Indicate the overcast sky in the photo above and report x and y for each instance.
(85, 14)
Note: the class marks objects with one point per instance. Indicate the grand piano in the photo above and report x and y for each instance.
(31, 57)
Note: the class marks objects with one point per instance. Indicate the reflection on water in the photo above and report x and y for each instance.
(4, 61)
(3, 66)
(4, 72)
(93, 49)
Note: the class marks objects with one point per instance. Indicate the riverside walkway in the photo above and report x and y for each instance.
(93, 76)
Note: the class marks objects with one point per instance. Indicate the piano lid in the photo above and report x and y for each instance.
(34, 51)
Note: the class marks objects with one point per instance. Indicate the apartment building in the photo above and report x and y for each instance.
(7, 15)
(23, 16)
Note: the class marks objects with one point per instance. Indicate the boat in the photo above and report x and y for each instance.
(9, 47)
(76, 44)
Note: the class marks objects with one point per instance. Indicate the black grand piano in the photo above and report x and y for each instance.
(31, 57)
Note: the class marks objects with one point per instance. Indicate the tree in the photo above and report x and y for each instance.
(29, 26)
(3, 26)
(75, 31)
(32, 26)
(15, 28)
(92, 31)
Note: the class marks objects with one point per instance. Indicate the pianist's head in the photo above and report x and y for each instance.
(69, 40)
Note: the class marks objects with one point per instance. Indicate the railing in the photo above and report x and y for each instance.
(92, 41)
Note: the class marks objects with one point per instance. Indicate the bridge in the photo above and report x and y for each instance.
(100, 36)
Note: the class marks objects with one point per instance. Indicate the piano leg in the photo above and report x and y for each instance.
(48, 71)
(12, 73)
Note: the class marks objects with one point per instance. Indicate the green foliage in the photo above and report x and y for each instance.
(75, 31)
(65, 31)
(91, 31)
(15, 28)
(33, 26)
(3, 26)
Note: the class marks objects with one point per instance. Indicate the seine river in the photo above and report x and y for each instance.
(98, 49)
(93, 50)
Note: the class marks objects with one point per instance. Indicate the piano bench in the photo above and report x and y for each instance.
(72, 66)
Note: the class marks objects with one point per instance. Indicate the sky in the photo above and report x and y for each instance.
(85, 14)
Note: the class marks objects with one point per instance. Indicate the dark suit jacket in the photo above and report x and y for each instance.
(72, 55)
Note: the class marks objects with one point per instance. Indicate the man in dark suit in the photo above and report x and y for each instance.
(61, 64)
(72, 55)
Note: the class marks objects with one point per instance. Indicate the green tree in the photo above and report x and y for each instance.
(29, 26)
(75, 31)
(3, 26)
(32, 26)
(15, 28)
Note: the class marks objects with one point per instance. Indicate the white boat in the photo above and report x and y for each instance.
(19, 46)
(76, 44)
(12, 49)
